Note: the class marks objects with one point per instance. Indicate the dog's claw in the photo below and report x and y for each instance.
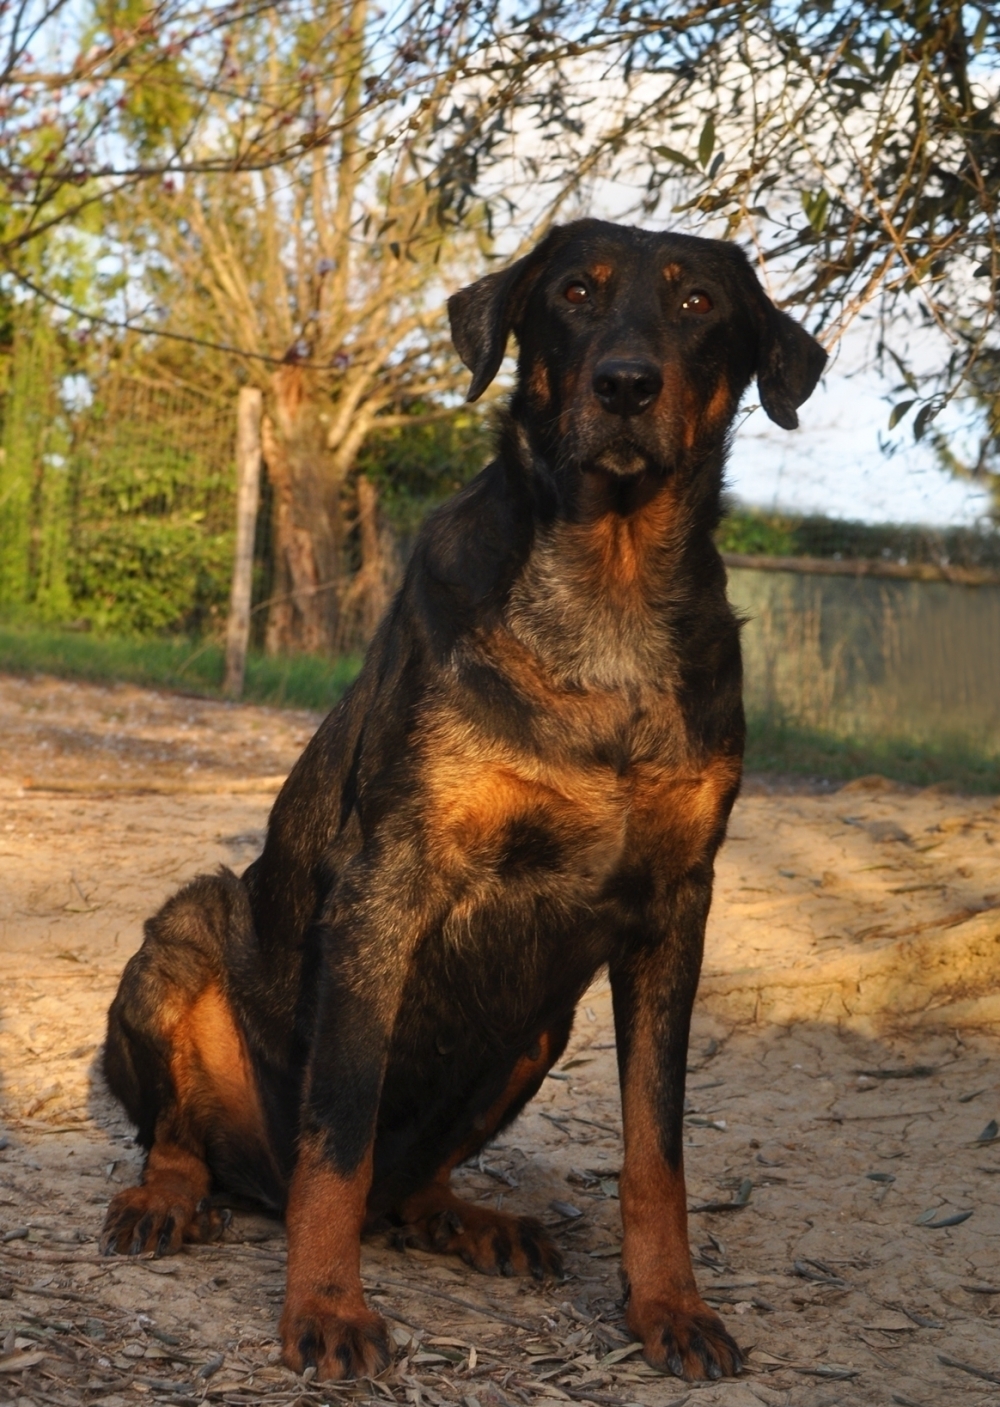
(492, 1242)
(149, 1220)
(346, 1344)
(690, 1342)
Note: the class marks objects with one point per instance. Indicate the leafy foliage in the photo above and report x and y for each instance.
(853, 147)
(33, 472)
(983, 402)
(143, 576)
(786, 535)
(297, 186)
(417, 465)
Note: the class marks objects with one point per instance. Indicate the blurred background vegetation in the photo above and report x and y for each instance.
(197, 198)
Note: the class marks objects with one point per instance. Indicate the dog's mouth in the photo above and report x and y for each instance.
(623, 449)
(622, 446)
(624, 458)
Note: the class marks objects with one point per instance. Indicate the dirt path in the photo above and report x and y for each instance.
(833, 1262)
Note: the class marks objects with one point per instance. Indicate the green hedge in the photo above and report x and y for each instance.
(786, 535)
(145, 576)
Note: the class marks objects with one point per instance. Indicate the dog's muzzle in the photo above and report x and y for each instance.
(627, 386)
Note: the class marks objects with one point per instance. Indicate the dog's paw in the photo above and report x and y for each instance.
(506, 1246)
(690, 1343)
(491, 1242)
(149, 1220)
(337, 1342)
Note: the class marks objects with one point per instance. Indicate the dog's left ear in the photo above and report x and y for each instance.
(483, 315)
(789, 365)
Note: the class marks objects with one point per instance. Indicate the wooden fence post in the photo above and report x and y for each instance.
(248, 457)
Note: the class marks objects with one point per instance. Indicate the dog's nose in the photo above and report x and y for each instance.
(627, 386)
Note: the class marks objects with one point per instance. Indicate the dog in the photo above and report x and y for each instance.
(528, 781)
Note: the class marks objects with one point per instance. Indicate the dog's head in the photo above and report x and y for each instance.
(635, 347)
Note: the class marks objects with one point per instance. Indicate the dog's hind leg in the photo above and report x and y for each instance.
(177, 1058)
(493, 1242)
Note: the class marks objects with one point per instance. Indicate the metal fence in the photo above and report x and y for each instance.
(868, 656)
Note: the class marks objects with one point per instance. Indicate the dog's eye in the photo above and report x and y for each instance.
(697, 302)
(576, 293)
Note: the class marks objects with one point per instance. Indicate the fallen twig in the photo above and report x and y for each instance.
(52, 1294)
(560, 1119)
(983, 1373)
(482, 1309)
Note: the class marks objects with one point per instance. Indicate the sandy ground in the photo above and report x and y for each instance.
(855, 930)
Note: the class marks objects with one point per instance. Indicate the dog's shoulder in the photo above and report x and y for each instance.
(467, 557)
(467, 554)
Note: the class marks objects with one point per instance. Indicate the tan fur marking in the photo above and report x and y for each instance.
(325, 1303)
(539, 388)
(655, 1252)
(622, 549)
(664, 1306)
(600, 273)
(325, 1215)
(672, 272)
(474, 801)
(211, 1069)
(676, 815)
(447, 1224)
(526, 1070)
(718, 407)
(679, 406)
(567, 391)
(491, 1241)
(691, 415)
(695, 419)
(177, 1169)
(214, 1091)
(162, 1213)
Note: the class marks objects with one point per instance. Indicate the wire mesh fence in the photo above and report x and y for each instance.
(116, 512)
(873, 658)
(118, 507)
(152, 507)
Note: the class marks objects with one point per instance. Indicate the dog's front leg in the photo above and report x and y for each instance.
(326, 1322)
(653, 987)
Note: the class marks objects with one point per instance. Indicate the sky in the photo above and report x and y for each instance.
(833, 464)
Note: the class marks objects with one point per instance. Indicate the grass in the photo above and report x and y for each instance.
(192, 667)
(785, 747)
(307, 681)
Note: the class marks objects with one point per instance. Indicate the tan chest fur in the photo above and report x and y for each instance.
(662, 804)
(603, 776)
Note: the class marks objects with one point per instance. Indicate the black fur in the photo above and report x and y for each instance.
(457, 853)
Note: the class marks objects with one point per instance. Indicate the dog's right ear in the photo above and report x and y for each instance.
(483, 315)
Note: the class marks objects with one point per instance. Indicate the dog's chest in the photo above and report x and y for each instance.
(601, 783)
(558, 755)
(595, 604)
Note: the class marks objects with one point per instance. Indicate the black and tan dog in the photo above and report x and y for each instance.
(530, 779)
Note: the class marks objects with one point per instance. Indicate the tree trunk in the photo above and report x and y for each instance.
(306, 521)
(368, 595)
(248, 416)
